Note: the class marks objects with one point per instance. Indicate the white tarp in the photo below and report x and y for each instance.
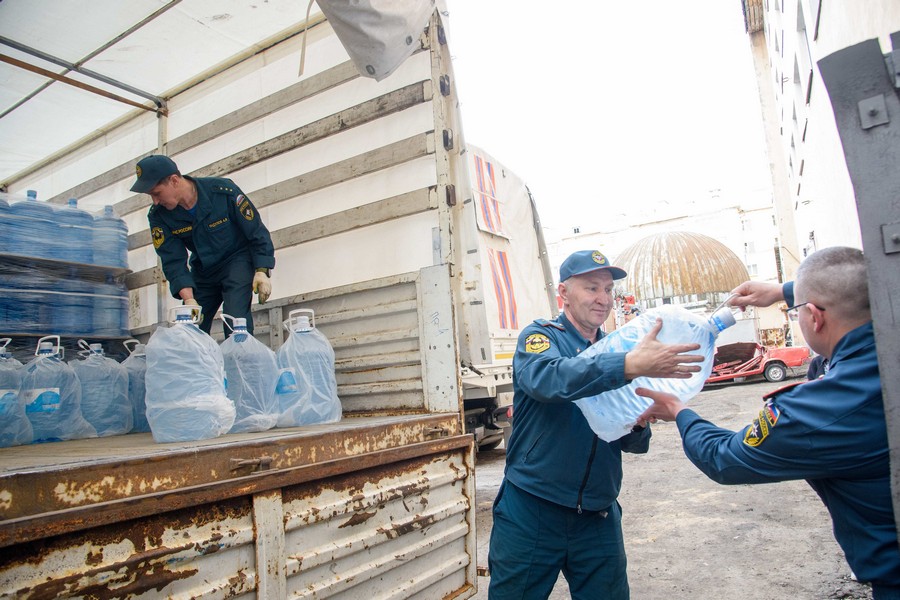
(378, 34)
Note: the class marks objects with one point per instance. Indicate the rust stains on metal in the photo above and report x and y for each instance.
(416, 524)
(357, 518)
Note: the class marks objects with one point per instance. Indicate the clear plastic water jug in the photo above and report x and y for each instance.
(185, 378)
(136, 367)
(104, 391)
(51, 393)
(311, 358)
(15, 428)
(252, 372)
(612, 414)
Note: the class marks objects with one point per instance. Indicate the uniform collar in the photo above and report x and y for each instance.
(853, 340)
(572, 330)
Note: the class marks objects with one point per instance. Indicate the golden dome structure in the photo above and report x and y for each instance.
(680, 268)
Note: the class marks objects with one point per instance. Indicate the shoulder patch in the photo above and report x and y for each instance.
(158, 238)
(537, 343)
(759, 429)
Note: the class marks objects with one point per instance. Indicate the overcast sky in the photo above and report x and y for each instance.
(612, 110)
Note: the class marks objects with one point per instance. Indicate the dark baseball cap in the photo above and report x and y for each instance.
(152, 169)
(585, 261)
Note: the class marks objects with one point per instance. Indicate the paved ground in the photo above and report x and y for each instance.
(688, 537)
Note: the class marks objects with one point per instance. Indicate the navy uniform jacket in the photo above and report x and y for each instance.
(553, 453)
(831, 432)
(225, 223)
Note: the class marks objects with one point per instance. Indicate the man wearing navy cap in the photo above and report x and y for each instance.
(231, 251)
(830, 431)
(556, 509)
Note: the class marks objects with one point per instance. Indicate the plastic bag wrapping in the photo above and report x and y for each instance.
(613, 413)
(104, 394)
(15, 428)
(136, 368)
(309, 355)
(60, 298)
(252, 372)
(51, 394)
(185, 379)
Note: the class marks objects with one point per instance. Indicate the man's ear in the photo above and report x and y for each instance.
(818, 317)
(562, 291)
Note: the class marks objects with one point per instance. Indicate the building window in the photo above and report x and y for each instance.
(752, 270)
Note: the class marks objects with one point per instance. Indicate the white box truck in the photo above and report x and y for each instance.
(421, 257)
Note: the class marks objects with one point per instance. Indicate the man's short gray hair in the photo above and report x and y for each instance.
(835, 278)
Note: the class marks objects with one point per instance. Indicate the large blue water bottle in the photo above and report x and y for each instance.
(72, 304)
(309, 354)
(15, 428)
(110, 308)
(5, 224)
(34, 232)
(252, 372)
(110, 240)
(136, 367)
(104, 391)
(185, 378)
(51, 393)
(612, 414)
(76, 228)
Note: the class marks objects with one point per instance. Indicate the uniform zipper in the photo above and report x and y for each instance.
(587, 473)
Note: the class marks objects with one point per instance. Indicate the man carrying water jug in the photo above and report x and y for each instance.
(231, 251)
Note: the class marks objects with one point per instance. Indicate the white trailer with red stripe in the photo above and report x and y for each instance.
(505, 284)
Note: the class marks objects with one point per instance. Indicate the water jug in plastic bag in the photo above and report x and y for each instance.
(51, 393)
(15, 428)
(185, 378)
(311, 358)
(252, 372)
(136, 367)
(104, 391)
(612, 414)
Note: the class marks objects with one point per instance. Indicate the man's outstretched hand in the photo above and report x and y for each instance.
(652, 358)
(665, 406)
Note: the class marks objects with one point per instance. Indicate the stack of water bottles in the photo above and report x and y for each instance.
(612, 414)
(57, 296)
(15, 428)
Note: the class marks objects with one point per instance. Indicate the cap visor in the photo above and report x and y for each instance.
(142, 187)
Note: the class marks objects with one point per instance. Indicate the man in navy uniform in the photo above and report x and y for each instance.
(231, 251)
(830, 431)
(556, 509)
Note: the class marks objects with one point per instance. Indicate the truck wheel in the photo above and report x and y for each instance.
(775, 372)
(489, 446)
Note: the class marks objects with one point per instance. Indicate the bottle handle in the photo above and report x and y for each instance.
(224, 322)
(131, 341)
(725, 303)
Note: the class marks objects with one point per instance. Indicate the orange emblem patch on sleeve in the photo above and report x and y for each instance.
(537, 343)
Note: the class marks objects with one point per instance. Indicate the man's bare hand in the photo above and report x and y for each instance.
(652, 358)
(665, 406)
(756, 293)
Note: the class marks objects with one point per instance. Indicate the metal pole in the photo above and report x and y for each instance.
(862, 85)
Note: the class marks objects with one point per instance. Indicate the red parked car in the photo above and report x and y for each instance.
(736, 362)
